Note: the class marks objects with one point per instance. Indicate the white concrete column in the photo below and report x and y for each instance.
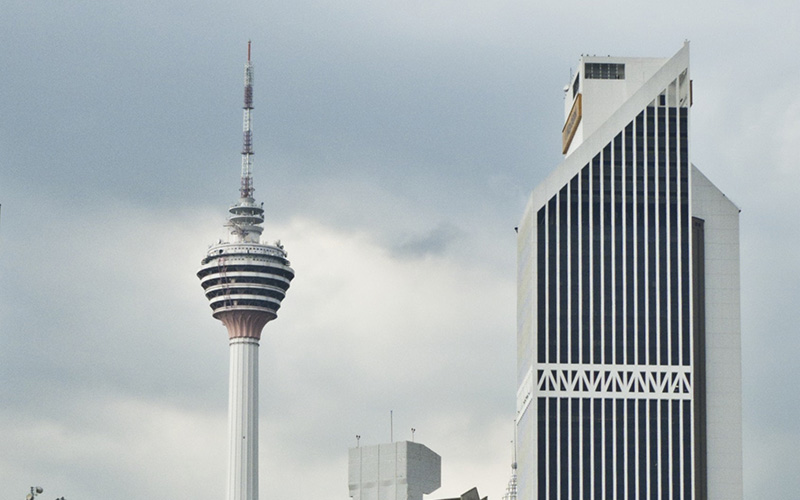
(243, 420)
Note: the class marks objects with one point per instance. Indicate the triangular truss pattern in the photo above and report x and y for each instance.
(623, 381)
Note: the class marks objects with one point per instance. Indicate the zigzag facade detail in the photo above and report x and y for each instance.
(635, 382)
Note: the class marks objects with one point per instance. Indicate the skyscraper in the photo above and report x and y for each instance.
(245, 282)
(629, 371)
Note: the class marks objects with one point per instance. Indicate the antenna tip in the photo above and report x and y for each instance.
(248, 51)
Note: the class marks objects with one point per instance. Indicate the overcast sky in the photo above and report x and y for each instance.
(396, 145)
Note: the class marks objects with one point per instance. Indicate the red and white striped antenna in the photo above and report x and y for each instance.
(246, 189)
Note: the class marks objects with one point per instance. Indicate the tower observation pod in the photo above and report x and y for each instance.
(245, 282)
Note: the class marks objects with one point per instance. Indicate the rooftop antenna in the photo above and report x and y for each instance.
(391, 427)
(514, 451)
(246, 216)
(514, 448)
(511, 488)
(358, 441)
(413, 430)
(246, 190)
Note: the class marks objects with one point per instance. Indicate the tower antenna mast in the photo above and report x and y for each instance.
(246, 190)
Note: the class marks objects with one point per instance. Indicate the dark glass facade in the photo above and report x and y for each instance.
(613, 368)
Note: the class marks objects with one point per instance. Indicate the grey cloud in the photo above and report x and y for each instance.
(435, 242)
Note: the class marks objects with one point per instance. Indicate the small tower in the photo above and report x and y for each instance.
(245, 282)
(511, 488)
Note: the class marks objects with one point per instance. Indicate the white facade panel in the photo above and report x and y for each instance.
(723, 338)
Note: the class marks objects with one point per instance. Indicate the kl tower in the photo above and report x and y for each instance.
(244, 281)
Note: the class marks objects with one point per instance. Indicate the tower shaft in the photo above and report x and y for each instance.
(243, 419)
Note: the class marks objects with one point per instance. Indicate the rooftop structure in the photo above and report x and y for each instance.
(244, 282)
(402, 470)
